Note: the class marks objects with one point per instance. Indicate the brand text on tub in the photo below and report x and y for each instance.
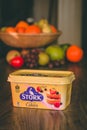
(31, 95)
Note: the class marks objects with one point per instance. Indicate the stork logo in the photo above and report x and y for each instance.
(31, 95)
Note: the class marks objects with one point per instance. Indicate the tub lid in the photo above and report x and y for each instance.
(42, 76)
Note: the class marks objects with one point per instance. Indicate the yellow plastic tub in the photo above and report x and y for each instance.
(43, 89)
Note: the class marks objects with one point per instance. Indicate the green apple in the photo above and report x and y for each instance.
(43, 59)
(55, 52)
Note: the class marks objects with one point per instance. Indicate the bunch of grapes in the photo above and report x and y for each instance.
(31, 57)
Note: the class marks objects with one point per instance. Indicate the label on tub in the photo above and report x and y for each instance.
(39, 96)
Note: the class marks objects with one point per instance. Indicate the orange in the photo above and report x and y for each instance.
(10, 29)
(20, 30)
(53, 28)
(74, 53)
(33, 29)
(23, 24)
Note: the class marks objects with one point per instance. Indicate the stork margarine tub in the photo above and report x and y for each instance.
(43, 89)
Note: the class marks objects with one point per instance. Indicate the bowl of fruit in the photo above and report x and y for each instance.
(25, 35)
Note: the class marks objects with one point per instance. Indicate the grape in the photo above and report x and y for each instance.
(62, 62)
(50, 65)
(56, 63)
(31, 65)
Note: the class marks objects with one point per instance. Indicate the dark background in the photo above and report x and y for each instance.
(84, 26)
(12, 11)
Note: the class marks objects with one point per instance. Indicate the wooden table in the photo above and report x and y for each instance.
(72, 118)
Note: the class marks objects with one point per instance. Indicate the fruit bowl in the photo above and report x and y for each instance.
(21, 40)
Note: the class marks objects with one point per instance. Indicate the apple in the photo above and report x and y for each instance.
(55, 52)
(43, 59)
(11, 54)
(17, 62)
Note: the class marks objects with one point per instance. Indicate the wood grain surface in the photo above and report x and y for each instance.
(74, 117)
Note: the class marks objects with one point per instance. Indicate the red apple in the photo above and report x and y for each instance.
(17, 62)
